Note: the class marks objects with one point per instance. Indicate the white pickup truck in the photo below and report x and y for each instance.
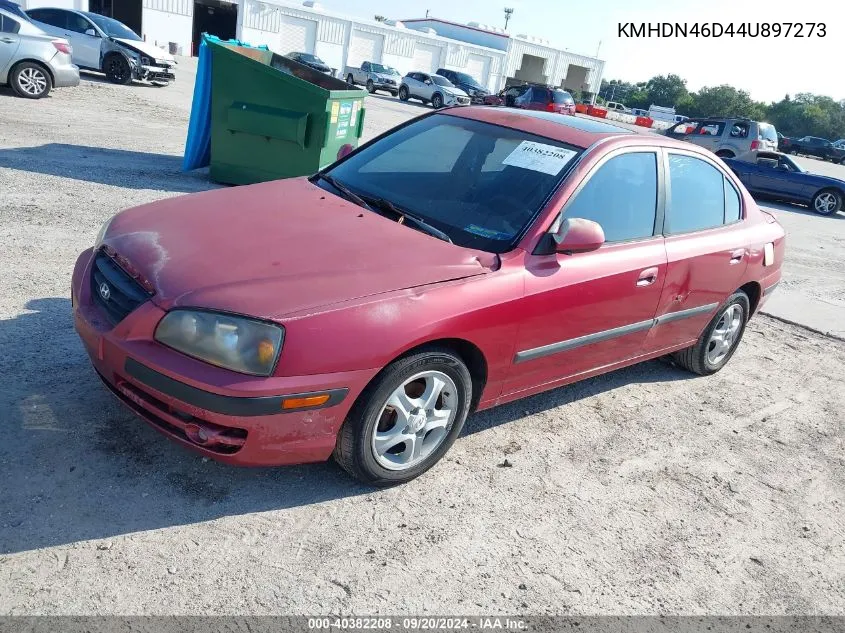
(374, 77)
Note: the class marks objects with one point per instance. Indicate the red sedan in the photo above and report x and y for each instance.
(466, 259)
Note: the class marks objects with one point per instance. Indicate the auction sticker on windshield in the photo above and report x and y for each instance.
(548, 159)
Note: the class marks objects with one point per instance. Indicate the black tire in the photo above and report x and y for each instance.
(371, 87)
(30, 80)
(831, 209)
(437, 101)
(354, 451)
(695, 358)
(350, 79)
(403, 93)
(393, 93)
(842, 162)
(117, 69)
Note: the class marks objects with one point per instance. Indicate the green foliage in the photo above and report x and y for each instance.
(801, 115)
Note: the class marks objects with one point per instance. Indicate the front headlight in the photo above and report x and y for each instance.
(102, 233)
(238, 343)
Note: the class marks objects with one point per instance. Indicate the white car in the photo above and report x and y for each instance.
(104, 44)
(433, 89)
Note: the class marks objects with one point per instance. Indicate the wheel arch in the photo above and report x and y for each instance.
(754, 291)
(37, 62)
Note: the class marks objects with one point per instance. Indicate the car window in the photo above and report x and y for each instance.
(733, 206)
(441, 81)
(621, 196)
(739, 130)
(767, 132)
(480, 183)
(540, 95)
(53, 17)
(9, 25)
(682, 129)
(696, 197)
(561, 96)
(711, 129)
(77, 23)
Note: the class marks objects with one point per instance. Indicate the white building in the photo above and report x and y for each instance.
(490, 55)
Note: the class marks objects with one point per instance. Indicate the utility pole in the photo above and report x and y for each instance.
(508, 14)
(426, 13)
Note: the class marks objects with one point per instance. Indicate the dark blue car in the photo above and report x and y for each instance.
(778, 176)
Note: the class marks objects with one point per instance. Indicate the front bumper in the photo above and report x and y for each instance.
(224, 415)
(386, 86)
(160, 74)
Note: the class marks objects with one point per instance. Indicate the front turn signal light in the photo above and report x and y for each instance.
(306, 401)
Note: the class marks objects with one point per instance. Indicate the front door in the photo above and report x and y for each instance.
(86, 48)
(590, 310)
(9, 42)
(705, 247)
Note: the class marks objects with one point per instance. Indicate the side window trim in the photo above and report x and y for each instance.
(662, 177)
(667, 190)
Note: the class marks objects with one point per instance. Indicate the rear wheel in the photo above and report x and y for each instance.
(826, 202)
(437, 101)
(403, 93)
(350, 79)
(117, 69)
(30, 81)
(406, 419)
(720, 338)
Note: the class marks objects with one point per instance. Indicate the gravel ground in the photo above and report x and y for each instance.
(646, 490)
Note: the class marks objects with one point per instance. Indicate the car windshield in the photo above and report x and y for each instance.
(467, 79)
(561, 96)
(480, 184)
(113, 28)
(768, 132)
(384, 70)
(441, 81)
(311, 58)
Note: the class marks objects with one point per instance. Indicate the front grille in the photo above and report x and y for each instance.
(390, 81)
(113, 290)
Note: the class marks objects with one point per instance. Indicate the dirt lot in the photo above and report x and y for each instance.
(643, 491)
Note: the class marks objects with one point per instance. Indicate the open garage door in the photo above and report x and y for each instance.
(478, 67)
(426, 57)
(364, 47)
(297, 35)
(214, 17)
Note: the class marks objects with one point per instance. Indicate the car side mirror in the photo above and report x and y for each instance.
(428, 82)
(91, 32)
(577, 235)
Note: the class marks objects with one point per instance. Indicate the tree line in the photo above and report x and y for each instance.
(801, 115)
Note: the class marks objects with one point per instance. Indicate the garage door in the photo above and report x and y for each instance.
(297, 34)
(478, 66)
(426, 57)
(364, 47)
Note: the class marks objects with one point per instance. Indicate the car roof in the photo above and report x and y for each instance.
(576, 131)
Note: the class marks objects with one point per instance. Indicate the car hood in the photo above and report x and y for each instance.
(453, 91)
(278, 248)
(146, 48)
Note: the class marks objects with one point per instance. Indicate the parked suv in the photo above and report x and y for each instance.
(433, 89)
(818, 147)
(465, 82)
(727, 137)
(534, 97)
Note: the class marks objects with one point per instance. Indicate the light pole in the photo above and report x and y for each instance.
(508, 14)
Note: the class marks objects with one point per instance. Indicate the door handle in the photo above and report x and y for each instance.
(737, 256)
(647, 277)
(7, 40)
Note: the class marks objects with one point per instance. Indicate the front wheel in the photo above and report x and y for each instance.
(117, 69)
(403, 93)
(371, 87)
(720, 338)
(30, 81)
(437, 101)
(406, 419)
(826, 202)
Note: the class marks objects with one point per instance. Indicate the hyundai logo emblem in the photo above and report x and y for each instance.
(105, 291)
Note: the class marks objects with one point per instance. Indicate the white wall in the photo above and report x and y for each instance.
(160, 28)
(79, 5)
(330, 53)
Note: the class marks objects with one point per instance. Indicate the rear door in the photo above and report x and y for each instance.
(585, 311)
(706, 247)
(9, 43)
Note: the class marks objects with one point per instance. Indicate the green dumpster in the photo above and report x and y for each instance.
(272, 117)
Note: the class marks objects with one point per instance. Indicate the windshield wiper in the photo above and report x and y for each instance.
(403, 217)
(347, 193)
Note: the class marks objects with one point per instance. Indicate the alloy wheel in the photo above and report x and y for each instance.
(415, 420)
(32, 81)
(826, 202)
(724, 334)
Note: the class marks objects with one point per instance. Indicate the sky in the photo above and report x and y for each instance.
(766, 68)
